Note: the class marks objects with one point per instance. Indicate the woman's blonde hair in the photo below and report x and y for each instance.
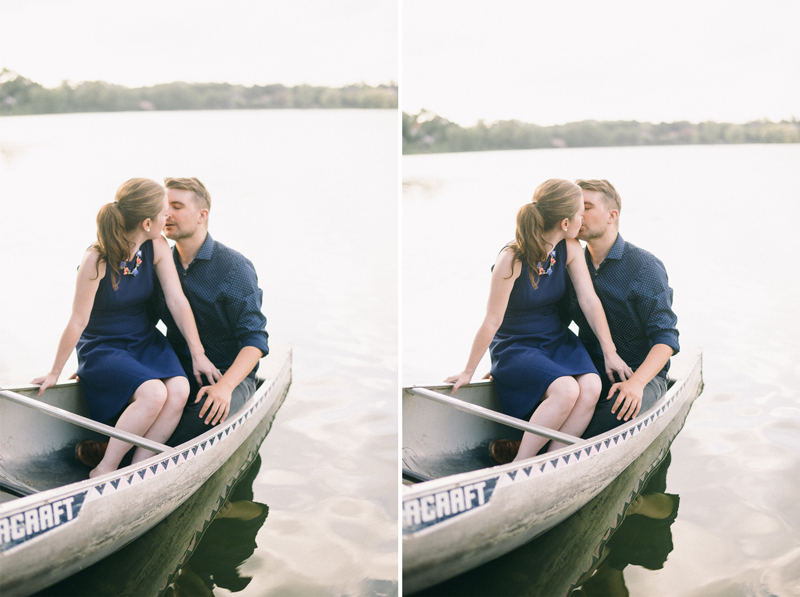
(136, 200)
(553, 201)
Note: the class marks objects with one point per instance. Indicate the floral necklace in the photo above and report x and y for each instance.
(549, 270)
(131, 272)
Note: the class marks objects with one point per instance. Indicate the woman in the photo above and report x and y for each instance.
(538, 365)
(122, 359)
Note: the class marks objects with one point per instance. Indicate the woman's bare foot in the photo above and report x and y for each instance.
(99, 470)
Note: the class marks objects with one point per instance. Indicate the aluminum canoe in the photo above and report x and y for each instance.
(463, 511)
(67, 521)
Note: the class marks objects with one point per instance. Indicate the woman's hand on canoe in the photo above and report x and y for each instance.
(45, 381)
(458, 380)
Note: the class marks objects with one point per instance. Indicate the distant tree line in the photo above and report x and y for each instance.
(427, 132)
(19, 95)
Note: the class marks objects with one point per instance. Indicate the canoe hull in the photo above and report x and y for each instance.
(62, 530)
(456, 523)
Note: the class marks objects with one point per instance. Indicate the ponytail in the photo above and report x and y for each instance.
(553, 201)
(111, 244)
(136, 200)
(529, 247)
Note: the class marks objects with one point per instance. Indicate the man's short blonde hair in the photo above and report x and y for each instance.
(201, 196)
(611, 198)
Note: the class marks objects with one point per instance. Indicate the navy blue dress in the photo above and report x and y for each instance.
(120, 349)
(532, 347)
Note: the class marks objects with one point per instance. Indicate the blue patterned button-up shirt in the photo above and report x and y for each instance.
(222, 288)
(633, 287)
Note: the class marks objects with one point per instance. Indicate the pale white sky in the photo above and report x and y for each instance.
(144, 42)
(551, 62)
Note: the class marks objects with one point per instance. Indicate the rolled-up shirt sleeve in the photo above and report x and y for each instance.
(243, 308)
(654, 306)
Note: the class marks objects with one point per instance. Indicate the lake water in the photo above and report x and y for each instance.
(311, 198)
(721, 218)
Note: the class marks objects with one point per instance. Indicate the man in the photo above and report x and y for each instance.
(222, 288)
(633, 287)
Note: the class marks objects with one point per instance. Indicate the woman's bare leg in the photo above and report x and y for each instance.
(578, 419)
(138, 417)
(557, 403)
(168, 418)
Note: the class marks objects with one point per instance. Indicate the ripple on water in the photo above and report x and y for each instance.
(783, 430)
(720, 565)
(346, 546)
(703, 554)
(758, 455)
(782, 576)
(350, 361)
(765, 577)
(749, 410)
(283, 477)
(786, 412)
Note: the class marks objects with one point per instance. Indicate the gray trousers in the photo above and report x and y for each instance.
(604, 420)
(191, 425)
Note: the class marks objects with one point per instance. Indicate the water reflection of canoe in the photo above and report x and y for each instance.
(65, 522)
(459, 511)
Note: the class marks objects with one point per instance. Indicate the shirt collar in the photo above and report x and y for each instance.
(205, 252)
(618, 249)
(616, 252)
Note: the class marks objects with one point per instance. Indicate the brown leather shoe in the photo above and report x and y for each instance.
(91, 452)
(504, 450)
